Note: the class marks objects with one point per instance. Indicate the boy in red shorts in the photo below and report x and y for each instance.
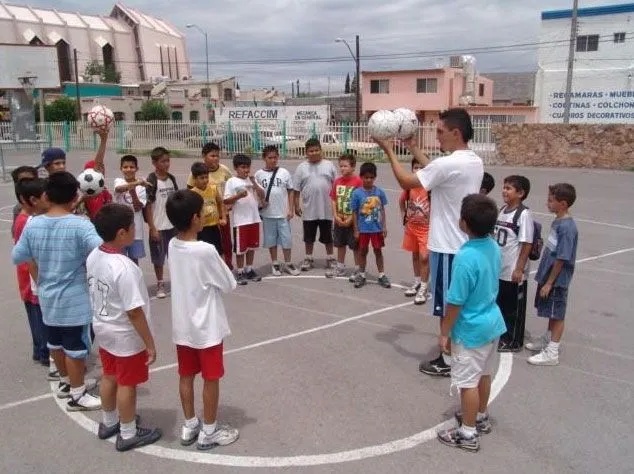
(368, 205)
(121, 316)
(199, 322)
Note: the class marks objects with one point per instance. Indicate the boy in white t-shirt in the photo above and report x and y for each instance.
(277, 210)
(162, 185)
(514, 235)
(131, 191)
(199, 322)
(121, 314)
(243, 193)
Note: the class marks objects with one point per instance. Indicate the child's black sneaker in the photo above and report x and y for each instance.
(143, 437)
(483, 426)
(252, 275)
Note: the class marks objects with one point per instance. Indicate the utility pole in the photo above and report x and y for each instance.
(571, 60)
(358, 91)
(78, 98)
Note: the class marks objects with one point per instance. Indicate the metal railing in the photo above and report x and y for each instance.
(238, 137)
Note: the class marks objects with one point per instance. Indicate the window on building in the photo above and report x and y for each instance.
(380, 86)
(204, 92)
(481, 90)
(619, 37)
(227, 94)
(194, 116)
(427, 86)
(587, 43)
(138, 116)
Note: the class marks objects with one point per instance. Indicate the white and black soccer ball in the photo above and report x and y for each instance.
(91, 182)
(383, 124)
(408, 123)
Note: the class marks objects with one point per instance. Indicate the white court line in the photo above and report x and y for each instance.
(6, 406)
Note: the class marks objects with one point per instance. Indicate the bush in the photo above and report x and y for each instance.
(154, 110)
(63, 109)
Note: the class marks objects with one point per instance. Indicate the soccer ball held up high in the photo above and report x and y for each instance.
(408, 123)
(100, 118)
(91, 182)
(383, 124)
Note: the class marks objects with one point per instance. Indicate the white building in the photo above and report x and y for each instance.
(140, 47)
(603, 68)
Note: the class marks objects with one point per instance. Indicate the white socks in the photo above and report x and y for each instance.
(128, 430)
(192, 423)
(209, 429)
(110, 418)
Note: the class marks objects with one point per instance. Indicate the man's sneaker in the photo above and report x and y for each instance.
(384, 281)
(545, 357)
(353, 276)
(241, 279)
(421, 295)
(190, 435)
(252, 275)
(331, 263)
(412, 290)
(276, 270)
(86, 402)
(291, 269)
(105, 432)
(53, 375)
(160, 291)
(223, 436)
(143, 437)
(336, 272)
(307, 264)
(359, 280)
(453, 437)
(508, 347)
(483, 426)
(435, 367)
(540, 344)
(63, 390)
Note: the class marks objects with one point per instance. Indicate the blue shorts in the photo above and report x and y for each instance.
(440, 272)
(553, 307)
(73, 340)
(134, 251)
(277, 231)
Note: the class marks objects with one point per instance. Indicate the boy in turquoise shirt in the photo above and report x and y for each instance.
(474, 321)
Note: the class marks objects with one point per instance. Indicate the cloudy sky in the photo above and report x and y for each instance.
(296, 30)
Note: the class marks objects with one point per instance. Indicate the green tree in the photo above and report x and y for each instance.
(93, 68)
(63, 109)
(346, 88)
(110, 75)
(154, 110)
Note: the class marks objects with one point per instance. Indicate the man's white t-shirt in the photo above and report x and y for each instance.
(116, 286)
(164, 189)
(199, 277)
(245, 210)
(125, 198)
(510, 240)
(278, 199)
(450, 178)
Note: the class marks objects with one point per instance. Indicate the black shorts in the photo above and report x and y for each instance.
(158, 250)
(512, 303)
(325, 231)
(211, 235)
(344, 237)
(74, 340)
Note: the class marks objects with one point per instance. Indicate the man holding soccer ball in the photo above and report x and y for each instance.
(450, 178)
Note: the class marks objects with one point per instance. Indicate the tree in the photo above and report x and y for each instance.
(346, 88)
(154, 110)
(63, 109)
(353, 85)
(93, 68)
(110, 75)
(107, 74)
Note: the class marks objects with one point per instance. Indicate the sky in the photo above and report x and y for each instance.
(264, 31)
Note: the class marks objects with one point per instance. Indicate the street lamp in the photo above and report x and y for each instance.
(357, 76)
(204, 33)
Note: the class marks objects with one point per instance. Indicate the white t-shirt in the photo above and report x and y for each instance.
(510, 240)
(164, 189)
(244, 211)
(450, 179)
(116, 286)
(125, 198)
(199, 277)
(314, 182)
(278, 200)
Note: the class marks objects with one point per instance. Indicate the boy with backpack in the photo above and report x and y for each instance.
(514, 233)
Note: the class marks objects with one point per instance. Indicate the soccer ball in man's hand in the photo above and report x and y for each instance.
(91, 182)
(383, 124)
(408, 123)
(100, 118)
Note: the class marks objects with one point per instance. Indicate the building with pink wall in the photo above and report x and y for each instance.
(429, 91)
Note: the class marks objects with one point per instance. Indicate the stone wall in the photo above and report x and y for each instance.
(558, 145)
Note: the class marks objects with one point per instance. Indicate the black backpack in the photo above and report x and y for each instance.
(538, 242)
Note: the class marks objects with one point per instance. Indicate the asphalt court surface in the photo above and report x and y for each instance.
(323, 378)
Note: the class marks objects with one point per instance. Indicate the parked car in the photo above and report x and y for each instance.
(333, 143)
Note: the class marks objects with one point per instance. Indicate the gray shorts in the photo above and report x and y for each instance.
(344, 237)
(158, 250)
(553, 307)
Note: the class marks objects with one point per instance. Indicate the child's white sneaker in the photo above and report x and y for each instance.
(540, 344)
(545, 357)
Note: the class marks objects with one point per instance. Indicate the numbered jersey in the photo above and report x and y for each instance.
(116, 286)
(510, 237)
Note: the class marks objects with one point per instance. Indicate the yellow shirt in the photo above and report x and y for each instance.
(210, 206)
(218, 177)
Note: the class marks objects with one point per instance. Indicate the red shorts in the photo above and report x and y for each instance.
(128, 371)
(375, 238)
(208, 361)
(246, 237)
